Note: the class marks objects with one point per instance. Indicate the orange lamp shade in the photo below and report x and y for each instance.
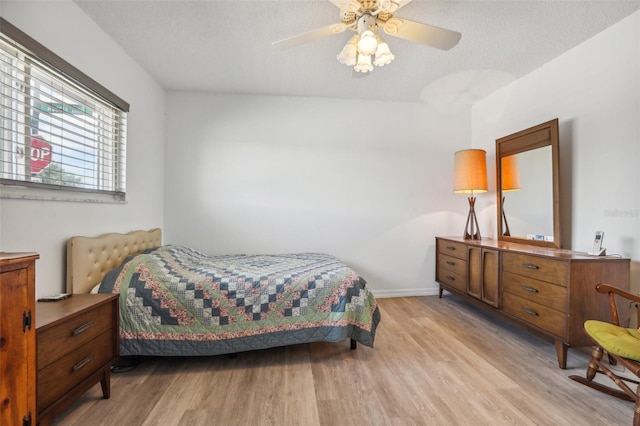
(510, 173)
(470, 171)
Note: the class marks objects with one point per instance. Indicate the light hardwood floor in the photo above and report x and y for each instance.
(435, 362)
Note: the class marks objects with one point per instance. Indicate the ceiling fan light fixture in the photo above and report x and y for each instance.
(366, 18)
(363, 64)
(367, 44)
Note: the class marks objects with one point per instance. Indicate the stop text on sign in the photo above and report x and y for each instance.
(40, 154)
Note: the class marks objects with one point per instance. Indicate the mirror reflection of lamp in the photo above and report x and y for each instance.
(510, 182)
(470, 176)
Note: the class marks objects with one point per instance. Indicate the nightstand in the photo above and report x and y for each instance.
(77, 342)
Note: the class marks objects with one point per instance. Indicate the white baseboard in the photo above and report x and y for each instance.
(381, 294)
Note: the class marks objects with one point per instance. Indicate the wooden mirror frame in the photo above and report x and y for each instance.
(545, 134)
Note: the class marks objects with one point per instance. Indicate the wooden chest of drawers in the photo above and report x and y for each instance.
(451, 265)
(548, 291)
(77, 342)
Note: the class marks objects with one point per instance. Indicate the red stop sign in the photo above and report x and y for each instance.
(40, 154)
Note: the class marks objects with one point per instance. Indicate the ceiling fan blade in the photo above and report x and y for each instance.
(437, 37)
(402, 3)
(392, 5)
(310, 36)
(347, 5)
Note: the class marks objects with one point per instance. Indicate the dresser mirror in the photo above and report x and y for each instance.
(528, 189)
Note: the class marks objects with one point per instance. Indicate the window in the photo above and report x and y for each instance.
(59, 129)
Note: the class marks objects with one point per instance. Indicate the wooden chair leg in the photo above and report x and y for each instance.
(594, 363)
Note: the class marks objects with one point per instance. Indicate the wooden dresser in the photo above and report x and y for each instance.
(548, 291)
(17, 339)
(77, 341)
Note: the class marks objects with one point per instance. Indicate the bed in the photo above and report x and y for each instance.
(178, 301)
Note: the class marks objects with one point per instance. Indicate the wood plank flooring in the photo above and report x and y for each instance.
(435, 362)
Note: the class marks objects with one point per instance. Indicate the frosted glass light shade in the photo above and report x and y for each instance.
(470, 171)
(363, 64)
(383, 55)
(367, 44)
(348, 54)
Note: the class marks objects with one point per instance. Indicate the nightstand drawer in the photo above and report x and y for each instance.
(65, 373)
(67, 336)
(555, 322)
(550, 270)
(543, 293)
(452, 248)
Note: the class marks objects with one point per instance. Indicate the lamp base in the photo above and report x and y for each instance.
(471, 229)
(506, 232)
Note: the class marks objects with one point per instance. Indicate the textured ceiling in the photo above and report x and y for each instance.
(225, 46)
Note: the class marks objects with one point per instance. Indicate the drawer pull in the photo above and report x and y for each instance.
(83, 328)
(450, 263)
(82, 363)
(530, 266)
(452, 248)
(529, 289)
(530, 312)
(450, 278)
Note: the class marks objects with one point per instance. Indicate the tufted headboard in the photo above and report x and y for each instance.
(90, 258)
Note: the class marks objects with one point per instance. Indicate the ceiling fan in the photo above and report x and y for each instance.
(365, 18)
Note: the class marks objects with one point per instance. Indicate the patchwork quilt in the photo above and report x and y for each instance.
(175, 300)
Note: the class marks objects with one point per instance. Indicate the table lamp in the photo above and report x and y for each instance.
(471, 176)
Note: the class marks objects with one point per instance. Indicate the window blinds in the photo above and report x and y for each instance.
(56, 132)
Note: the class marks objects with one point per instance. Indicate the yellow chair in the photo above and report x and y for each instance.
(622, 346)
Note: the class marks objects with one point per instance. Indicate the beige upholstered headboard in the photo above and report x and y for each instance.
(90, 258)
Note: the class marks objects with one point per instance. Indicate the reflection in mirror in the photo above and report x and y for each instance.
(527, 179)
(510, 183)
(528, 186)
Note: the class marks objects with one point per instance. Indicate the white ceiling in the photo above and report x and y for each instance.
(224, 46)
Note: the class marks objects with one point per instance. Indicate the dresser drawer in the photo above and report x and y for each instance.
(539, 268)
(550, 320)
(452, 264)
(543, 293)
(65, 373)
(452, 248)
(67, 336)
(452, 279)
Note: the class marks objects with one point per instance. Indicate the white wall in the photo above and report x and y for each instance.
(44, 226)
(369, 182)
(594, 91)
